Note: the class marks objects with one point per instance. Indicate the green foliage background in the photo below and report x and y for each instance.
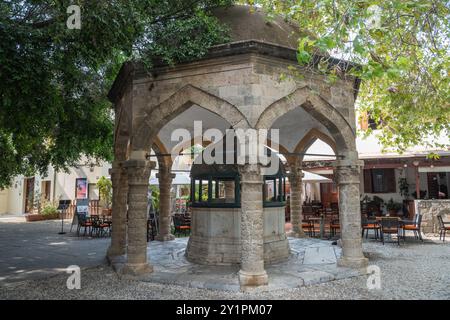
(54, 81)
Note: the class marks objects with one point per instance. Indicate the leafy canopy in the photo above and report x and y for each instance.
(403, 47)
(54, 80)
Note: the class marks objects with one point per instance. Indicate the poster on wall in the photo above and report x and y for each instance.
(81, 188)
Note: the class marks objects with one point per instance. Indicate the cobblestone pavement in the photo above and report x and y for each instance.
(412, 271)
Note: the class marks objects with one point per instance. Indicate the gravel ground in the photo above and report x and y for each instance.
(413, 271)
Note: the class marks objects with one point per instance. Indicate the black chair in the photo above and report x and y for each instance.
(308, 226)
(442, 227)
(367, 225)
(83, 222)
(413, 226)
(100, 226)
(390, 226)
(334, 227)
(181, 226)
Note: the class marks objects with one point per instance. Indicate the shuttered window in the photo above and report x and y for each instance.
(379, 181)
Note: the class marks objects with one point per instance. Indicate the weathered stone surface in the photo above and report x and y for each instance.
(429, 209)
(240, 82)
(138, 176)
(295, 180)
(350, 215)
(252, 271)
(319, 255)
(119, 210)
(165, 183)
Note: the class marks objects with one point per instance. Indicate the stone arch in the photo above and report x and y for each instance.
(159, 148)
(180, 101)
(319, 109)
(307, 141)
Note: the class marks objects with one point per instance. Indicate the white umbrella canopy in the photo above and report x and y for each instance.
(313, 177)
(181, 178)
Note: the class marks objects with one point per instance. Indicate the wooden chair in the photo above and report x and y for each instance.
(390, 226)
(442, 227)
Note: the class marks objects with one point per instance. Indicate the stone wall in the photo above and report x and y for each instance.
(429, 210)
(249, 82)
(216, 232)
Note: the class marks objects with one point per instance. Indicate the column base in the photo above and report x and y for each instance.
(165, 237)
(138, 269)
(247, 279)
(114, 252)
(356, 263)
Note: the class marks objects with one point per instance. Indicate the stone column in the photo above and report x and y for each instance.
(165, 183)
(347, 175)
(296, 201)
(119, 181)
(138, 181)
(252, 271)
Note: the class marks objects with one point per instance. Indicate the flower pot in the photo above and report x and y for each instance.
(41, 217)
(34, 217)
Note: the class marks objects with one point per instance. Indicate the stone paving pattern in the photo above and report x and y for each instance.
(414, 270)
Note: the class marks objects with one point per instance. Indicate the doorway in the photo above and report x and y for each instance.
(29, 194)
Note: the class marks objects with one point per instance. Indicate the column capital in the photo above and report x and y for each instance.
(250, 173)
(295, 173)
(347, 172)
(116, 168)
(138, 171)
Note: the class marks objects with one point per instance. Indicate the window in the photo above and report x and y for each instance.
(274, 191)
(93, 191)
(379, 181)
(214, 192)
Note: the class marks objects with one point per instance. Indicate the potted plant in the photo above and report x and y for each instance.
(105, 190)
(45, 210)
(393, 207)
(49, 211)
(154, 197)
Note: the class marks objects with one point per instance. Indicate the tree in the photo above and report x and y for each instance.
(403, 49)
(104, 186)
(54, 80)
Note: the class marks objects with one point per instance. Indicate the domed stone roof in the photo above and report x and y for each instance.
(249, 23)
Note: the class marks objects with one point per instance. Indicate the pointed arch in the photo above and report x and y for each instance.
(322, 111)
(180, 101)
(308, 140)
(160, 148)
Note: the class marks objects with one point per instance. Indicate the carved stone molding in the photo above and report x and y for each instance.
(138, 171)
(349, 173)
(250, 173)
